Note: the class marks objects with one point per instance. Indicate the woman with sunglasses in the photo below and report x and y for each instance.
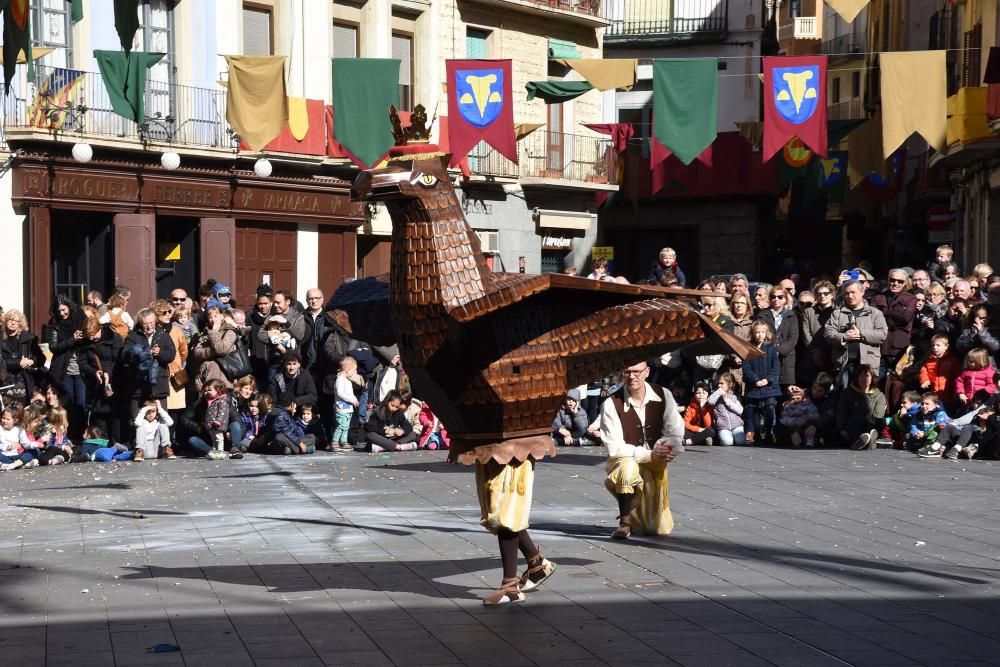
(900, 310)
(816, 351)
(785, 325)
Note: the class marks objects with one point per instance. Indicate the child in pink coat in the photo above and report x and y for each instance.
(433, 435)
(978, 374)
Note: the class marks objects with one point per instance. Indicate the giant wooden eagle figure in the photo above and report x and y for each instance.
(494, 353)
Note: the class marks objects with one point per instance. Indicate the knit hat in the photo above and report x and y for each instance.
(573, 394)
(222, 290)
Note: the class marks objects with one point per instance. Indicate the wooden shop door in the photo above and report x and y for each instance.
(264, 254)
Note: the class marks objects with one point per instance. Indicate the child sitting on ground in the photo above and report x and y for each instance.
(152, 432)
(570, 426)
(939, 371)
(926, 426)
(14, 444)
(900, 422)
(253, 419)
(797, 414)
(433, 434)
(966, 431)
(698, 418)
(821, 393)
(727, 412)
(216, 413)
(283, 435)
(51, 433)
(96, 447)
(309, 421)
(347, 402)
(978, 375)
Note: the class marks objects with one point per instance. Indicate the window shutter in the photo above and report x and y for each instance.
(475, 44)
(401, 52)
(256, 32)
(343, 41)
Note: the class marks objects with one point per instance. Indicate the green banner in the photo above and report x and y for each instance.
(685, 105)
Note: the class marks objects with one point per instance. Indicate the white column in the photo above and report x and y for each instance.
(229, 30)
(308, 32)
(376, 29)
(12, 251)
(307, 261)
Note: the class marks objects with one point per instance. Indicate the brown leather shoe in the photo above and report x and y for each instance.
(622, 532)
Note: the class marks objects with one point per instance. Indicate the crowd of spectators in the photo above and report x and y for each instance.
(199, 377)
(847, 361)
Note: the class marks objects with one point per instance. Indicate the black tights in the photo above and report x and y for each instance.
(510, 542)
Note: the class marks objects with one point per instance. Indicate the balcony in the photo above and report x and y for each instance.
(175, 114)
(800, 27)
(582, 12)
(848, 110)
(845, 46)
(552, 159)
(665, 21)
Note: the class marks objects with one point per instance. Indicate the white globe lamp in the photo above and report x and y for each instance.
(82, 152)
(170, 160)
(262, 167)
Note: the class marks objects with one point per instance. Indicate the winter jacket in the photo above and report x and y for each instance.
(147, 376)
(900, 310)
(145, 430)
(797, 414)
(336, 344)
(280, 422)
(727, 411)
(317, 330)
(940, 373)
(431, 424)
(302, 387)
(212, 345)
(970, 338)
(658, 270)
(870, 322)
(376, 423)
(296, 326)
(13, 348)
(59, 335)
(970, 381)
(574, 422)
(217, 411)
(858, 411)
(697, 417)
(815, 344)
(786, 337)
(762, 368)
(929, 424)
(181, 345)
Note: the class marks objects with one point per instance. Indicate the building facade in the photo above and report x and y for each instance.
(131, 215)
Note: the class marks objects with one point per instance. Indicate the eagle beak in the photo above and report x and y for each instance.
(379, 184)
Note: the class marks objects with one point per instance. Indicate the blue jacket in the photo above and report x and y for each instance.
(930, 424)
(283, 424)
(759, 368)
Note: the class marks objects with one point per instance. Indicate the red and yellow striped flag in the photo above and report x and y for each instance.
(48, 108)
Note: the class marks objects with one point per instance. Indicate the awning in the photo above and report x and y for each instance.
(605, 74)
(561, 48)
(576, 221)
(555, 92)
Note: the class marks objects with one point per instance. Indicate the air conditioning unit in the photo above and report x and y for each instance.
(489, 241)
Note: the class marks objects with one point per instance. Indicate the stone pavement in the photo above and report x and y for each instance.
(779, 557)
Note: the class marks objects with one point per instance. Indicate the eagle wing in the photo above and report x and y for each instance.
(361, 308)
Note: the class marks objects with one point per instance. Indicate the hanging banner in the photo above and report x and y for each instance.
(795, 102)
(914, 99)
(686, 105)
(848, 9)
(480, 107)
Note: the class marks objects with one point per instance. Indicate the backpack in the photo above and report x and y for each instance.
(117, 324)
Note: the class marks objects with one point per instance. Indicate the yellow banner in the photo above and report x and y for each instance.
(914, 99)
(256, 104)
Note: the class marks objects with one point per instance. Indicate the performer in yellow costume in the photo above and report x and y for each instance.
(642, 429)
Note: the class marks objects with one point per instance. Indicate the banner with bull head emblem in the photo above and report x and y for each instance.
(480, 107)
(795, 102)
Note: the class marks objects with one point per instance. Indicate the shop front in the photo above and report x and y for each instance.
(96, 225)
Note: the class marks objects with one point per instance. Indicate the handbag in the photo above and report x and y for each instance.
(236, 364)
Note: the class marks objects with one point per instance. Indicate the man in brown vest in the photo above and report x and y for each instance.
(642, 429)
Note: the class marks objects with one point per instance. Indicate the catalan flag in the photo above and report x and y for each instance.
(48, 108)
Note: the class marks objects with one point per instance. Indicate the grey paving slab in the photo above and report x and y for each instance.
(778, 558)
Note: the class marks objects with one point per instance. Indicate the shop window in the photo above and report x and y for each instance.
(855, 84)
(553, 261)
(476, 43)
(257, 34)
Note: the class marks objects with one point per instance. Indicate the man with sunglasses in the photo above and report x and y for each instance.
(642, 429)
(900, 310)
(855, 332)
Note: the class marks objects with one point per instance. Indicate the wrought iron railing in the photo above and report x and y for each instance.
(848, 110)
(591, 7)
(846, 44)
(183, 115)
(550, 155)
(641, 19)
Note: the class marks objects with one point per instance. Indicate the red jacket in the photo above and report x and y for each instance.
(429, 421)
(940, 373)
(697, 417)
(971, 381)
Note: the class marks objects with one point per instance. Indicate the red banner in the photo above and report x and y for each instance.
(480, 107)
(795, 102)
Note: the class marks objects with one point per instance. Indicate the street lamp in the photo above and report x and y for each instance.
(82, 152)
